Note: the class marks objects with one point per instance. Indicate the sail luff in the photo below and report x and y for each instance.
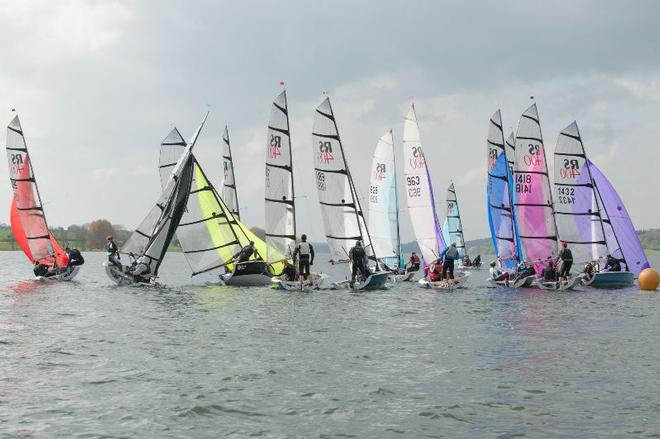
(396, 202)
(229, 191)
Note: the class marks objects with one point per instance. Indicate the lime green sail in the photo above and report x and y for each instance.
(209, 234)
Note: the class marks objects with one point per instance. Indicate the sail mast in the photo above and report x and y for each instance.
(232, 196)
(396, 202)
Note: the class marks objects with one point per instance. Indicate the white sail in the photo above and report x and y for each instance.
(576, 207)
(534, 210)
(229, 193)
(453, 227)
(280, 203)
(383, 206)
(510, 150)
(419, 192)
(343, 220)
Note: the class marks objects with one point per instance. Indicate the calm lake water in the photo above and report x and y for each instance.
(89, 359)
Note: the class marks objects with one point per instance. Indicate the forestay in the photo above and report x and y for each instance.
(383, 205)
(343, 219)
(620, 234)
(534, 210)
(500, 207)
(419, 192)
(229, 193)
(28, 221)
(280, 203)
(452, 229)
(577, 212)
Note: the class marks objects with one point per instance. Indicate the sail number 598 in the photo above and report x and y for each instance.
(414, 190)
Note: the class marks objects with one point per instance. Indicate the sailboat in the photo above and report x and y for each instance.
(343, 218)
(149, 242)
(591, 216)
(501, 219)
(452, 229)
(229, 193)
(209, 233)
(533, 206)
(280, 200)
(27, 217)
(384, 208)
(421, 203)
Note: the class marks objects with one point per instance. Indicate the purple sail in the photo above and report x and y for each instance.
(622, 239)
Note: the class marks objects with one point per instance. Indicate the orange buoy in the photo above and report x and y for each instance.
(649, 279)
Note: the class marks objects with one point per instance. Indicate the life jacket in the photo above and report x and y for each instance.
(304, 249)
(415, 259)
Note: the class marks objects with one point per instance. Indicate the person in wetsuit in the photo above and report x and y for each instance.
(245, 253)
(566, 260)
(75, 258)
(288, 272)
(40, 270)
(113, 252)
(304, 251)
(549, 273)
(141, 272)
(612, 264)
(358, 258)
(448, 256)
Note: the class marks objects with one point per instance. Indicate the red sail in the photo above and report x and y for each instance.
(17, 230)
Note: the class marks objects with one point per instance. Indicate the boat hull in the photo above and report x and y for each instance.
(375, 281)
(406, 277)
(248, 274)
(121, 278)
(459, 281)
(315, 281)
(611, 279)
(62, 277)
(570, 284)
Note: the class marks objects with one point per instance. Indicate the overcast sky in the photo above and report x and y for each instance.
(97, 85)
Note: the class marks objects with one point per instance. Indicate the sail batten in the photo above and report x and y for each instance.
(340, 206)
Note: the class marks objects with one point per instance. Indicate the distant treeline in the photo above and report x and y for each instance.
(93, 236)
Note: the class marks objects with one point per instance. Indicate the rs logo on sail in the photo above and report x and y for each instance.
(274, 150)
(325, 152)
(534, 158)
(380, 171)
(417, 160)
(570, 169)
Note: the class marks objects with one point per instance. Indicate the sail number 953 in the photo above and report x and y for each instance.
(414, 190)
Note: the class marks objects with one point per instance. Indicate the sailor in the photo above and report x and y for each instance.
(435, 271)
(612, 264)
(524, 270)
(288, 272)
(113, 252)
(448, 256)
(498, 275)
(141, 270)
(358, 258)
(413, 263)
(566, 258)
(549, 273)
(589, 270)
(245, 253)
(304, 251)
(40, 270)
(477, 261)
(467, 262)
(75, 258)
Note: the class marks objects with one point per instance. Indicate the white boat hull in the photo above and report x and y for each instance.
(569, 284)
(406, 277)
(315, 281)
(459, 281)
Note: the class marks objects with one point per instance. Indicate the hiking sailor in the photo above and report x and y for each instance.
(305, 253)
(141, 271)
(245, 253)
(75, 258)
(113, 252)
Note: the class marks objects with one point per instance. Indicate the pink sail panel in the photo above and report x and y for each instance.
(533, 197)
